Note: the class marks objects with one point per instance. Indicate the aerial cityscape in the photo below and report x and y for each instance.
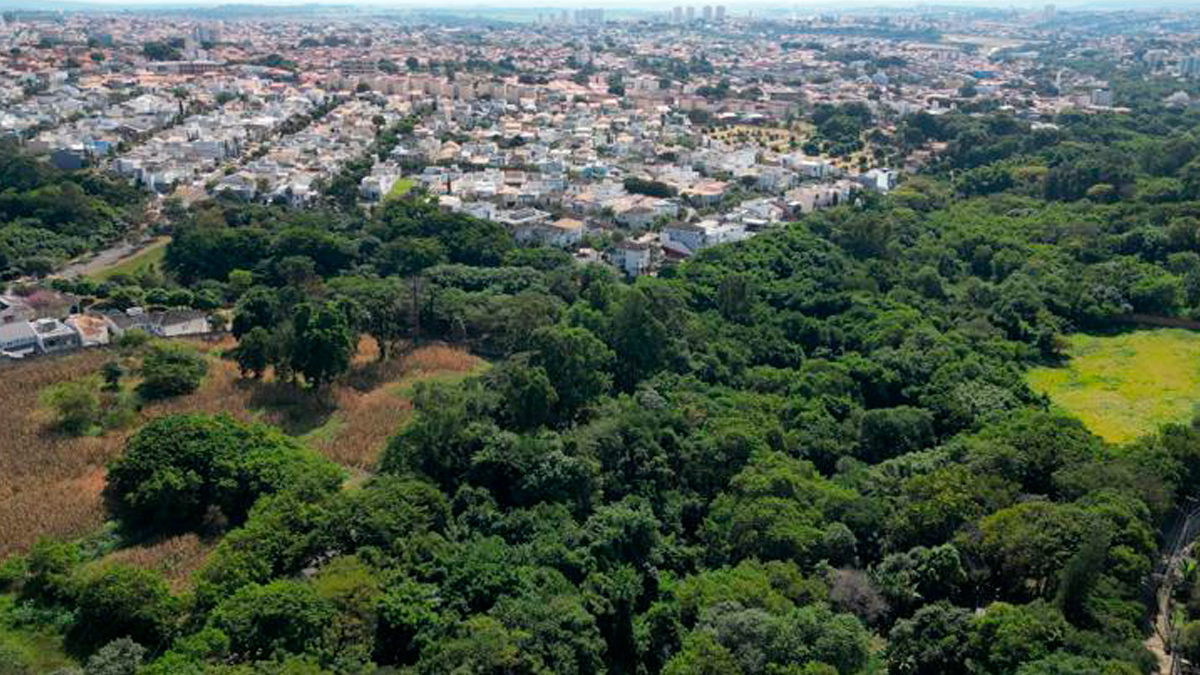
(721, 339)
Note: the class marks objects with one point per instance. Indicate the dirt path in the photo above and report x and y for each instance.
(1155, 643)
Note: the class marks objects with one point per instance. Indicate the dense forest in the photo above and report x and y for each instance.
(49, 216)
(810, 453)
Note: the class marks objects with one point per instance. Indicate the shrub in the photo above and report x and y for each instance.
(122, 601)
(171, 370)
(133, 339)
(119, 657)
(75, 404)
(282, 616)
(47, 571)
(179, 470)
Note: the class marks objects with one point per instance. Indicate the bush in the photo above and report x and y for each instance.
(75, 404)
(133, 339)
(1188, 642)
(122, 601)
(180, 470)
(171, 370)
(282, 616)
(119, 657)
(46, 571)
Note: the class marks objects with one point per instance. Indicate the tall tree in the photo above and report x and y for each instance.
(324, 341)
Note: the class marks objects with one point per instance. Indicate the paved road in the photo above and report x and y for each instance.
(101, 261)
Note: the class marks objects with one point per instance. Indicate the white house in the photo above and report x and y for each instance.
(177, 322)
(17, 339)
(375, 187)
(879, 180)
(689, 238)
(54, 336)
(563, 233)
(633, 257)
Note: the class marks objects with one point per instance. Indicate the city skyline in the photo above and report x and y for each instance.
(813, 5)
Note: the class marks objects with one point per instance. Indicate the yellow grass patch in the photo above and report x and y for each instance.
(49, 482)
(1125, 386)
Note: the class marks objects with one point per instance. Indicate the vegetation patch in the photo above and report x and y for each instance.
(26, 647)
(1125, 386)
(150, 256)
(400, 188)
(53, 477)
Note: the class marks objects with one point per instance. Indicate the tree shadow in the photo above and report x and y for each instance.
(295, 409)
(365, 377)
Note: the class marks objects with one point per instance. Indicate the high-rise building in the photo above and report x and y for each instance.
(691, 13)
(677, 15)
(720, 13)
(585, 17)
(708, 15)
(1189, 66)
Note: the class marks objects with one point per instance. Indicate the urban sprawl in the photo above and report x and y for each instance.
(630, 139)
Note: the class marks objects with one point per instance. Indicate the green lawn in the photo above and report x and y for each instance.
(1127, 385)
(399, 189)
(153, 254)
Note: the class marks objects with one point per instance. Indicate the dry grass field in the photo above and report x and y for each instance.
(374, 401)
(176, 558)
(51, 483)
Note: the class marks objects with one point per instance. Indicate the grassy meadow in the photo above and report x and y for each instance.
(1126, 385)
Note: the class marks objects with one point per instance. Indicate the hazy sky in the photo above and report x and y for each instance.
(736, 6)
(633, 4)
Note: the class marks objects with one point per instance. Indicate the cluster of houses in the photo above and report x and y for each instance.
(290, 171)
(553, 170)
(204, 142)
(100, 132)
(536, 128)
(48, 322)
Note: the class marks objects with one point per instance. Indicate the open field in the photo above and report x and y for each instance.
(51, 483)
(1127, 385)
(990, 44)
(151, 254)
